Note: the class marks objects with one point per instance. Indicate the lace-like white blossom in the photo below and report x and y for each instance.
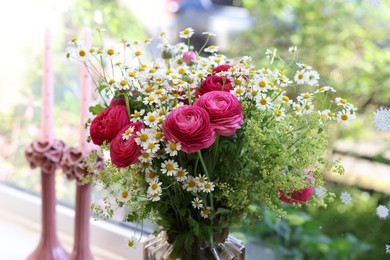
(382, 211)
(346, 198)
(382, 119)
(320, 191)
(387, 249)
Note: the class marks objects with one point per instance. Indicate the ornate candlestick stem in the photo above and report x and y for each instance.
(81, 247)
(47, 155)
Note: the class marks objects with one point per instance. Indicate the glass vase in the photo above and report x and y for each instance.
(226, 247)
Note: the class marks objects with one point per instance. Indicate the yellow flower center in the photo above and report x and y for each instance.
(143, 137)
(74, 39)
(110, 52)
(286, 98)
(82, 53)
(169, 167)
(151, 145)
(152, 175)
(343, 101)
(263, 101)
(330, 114)
(306, 96)
(179, 62)
(182, 71)
(145, 155)
(237, 82)
(111, 82)
(278, 112)
(207, 186)
(92, 50)
(300, 76)
(191, 183)
(150, 98)
(158, 135)
(138, 53)
(180, 174)
(124, 194)
(239, 91)
(132, 74)
(262, 84)
(158, 91)
(172, 146)
(123, 82)
(154, 186)
(128, 131)
(202, 180)
(344, 117)
(152, 118)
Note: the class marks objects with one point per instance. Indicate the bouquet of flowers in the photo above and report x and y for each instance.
(198, 142)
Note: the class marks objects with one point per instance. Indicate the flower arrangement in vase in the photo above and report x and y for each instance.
(198, 142)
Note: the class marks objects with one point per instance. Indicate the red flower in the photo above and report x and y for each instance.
(189, 125)
(224, 109)
(212, 83)
(118, 102)
(223, 67)
(301, 196)
(107, 124)
(124, 152)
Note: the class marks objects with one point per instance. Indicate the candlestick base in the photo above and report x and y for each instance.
(48, 251)
(81, 254)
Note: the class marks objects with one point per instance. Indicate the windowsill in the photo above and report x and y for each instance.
(20, 225)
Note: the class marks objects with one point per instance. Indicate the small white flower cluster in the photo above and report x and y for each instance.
(382, 119)
(345, 197)
(387, 249)
(382, 211)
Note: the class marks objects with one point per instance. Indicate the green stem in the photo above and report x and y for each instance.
(208, 177)
(128, 106)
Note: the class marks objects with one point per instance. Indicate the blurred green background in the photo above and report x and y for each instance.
(347, 41)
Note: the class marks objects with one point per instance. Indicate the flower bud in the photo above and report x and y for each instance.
(167, 53)
(189, 56)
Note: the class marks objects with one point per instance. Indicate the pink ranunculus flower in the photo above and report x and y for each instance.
(107, 124)
(223, 67)
(224, 109)
(213, 82)
(189, 56)
(125, 151)
(301, 196)
(190, 126)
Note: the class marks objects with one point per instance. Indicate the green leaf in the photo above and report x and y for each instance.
(194, 224)
(97, 109)
(222, 211)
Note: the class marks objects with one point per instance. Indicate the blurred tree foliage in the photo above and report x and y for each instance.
(347, 41)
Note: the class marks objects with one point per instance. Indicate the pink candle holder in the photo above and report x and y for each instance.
(47, 156)
(73, 166)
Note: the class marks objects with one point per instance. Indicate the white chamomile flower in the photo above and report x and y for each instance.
(143, 136)
(342, 102)
(191, 184)
(154, 196)
(292, 49)
(270, 55)
(307, 107)
(344, 117)
(154, 186)
(279, 114)
(207, 187)
(172, 147)
(325, 89)
(209, 33)
(345, 197)
(81, 54)
(197, 203)
(151, 177)
(169, 167)
(131, 242)
(212, 49)
(297, 108)
(181, 175)
(205, 212)
(151, 146)
(311, 77)
(382, 119)
(263, 102)
(186, 33)
(299, 77)
(128, 133)
(303, 97)
(137, 116)
(320, 191)
(246, 59)
(382, 212)
(123, 84)
(262, 84)
(326, 115)
(201, 180)
(151, 119)
(238, 91)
